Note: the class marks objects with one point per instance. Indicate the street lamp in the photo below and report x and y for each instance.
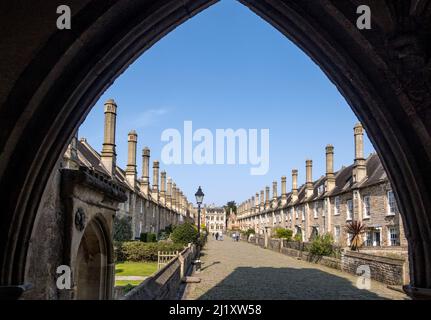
(199, 199)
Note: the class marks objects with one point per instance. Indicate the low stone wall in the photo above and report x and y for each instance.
(330, 262)
(165, 283)
(383, 269)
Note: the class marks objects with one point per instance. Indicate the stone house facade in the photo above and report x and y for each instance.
(215, 218)
(360, 192)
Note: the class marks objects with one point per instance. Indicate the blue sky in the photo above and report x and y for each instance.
(228, 68)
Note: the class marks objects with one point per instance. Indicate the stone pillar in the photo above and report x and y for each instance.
(108, 157)
(131, 173)
(294, 185)
(274, 194)
(262, 200)
(257, 203)
(155, 189)
(359, 167)
(145, 182)
(283, 191)
(163, 187)
(309, 178)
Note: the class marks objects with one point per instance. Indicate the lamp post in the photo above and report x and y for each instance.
(199, 199)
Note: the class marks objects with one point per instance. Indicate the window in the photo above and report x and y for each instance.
(349, 208)
(141, 207)
(337, 206)
(392, 205)
(296, 214)
(290, 214)
(367, 206)
(303, 213)
(393, 235)
(321, 189)
(315, 210)
(368, 241)
(337, 232)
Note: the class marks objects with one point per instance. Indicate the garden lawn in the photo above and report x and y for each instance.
(142, 269)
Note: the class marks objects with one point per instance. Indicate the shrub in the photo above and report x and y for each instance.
(322, 245)
(283, 233)
(248, 232)
(298, 237)
(143, 237)
(137, 251)
(151, 237)
(185, 233)
(122, 229)
(164, 234)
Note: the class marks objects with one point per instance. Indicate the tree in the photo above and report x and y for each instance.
(355, 229)
(122, 229)
(228, 206)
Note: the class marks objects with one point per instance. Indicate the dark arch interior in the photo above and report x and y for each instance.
(48, 89)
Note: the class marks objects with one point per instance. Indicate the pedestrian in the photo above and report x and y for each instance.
(216, 236)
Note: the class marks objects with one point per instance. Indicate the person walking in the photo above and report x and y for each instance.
(216, 236)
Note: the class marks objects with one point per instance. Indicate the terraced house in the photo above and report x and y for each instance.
(150, 207)
(360, 192)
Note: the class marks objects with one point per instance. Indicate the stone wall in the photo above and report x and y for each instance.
(383, 269)
(165, 283)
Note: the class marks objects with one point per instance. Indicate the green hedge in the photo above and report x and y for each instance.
(283, 233)
(148, 237)
(137, 251)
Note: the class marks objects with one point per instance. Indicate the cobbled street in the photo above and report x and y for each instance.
(239, 270)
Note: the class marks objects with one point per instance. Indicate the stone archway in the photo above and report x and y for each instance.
(52, 78)
(92, 277)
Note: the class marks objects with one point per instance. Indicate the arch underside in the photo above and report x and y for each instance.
(383, 73)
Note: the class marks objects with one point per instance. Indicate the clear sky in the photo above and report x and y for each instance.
(228, 68)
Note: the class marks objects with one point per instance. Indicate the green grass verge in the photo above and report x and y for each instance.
(143, 269)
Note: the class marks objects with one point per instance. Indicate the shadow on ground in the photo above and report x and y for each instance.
(265, 283)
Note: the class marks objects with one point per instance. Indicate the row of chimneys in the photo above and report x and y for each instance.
(171, 196)
(359, 173)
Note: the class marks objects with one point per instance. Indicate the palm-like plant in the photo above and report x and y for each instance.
(356, 229)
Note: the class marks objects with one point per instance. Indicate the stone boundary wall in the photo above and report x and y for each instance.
(387, 270)
(383, 269)
(165, 283)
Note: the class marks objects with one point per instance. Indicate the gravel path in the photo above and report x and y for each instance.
(239, 270)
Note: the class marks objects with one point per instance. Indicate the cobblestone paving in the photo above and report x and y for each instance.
(239, 270)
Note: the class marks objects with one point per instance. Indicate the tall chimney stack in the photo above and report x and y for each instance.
(274, 194)
(145, 182)
(163, 187)
(155, 192)
(294, 185)
(330, 178)
(174, 196)
(131, 173)
(267, 190)
(169, 194)
(359, 167)
(283, 191)
(108, 157)
(309, 178)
